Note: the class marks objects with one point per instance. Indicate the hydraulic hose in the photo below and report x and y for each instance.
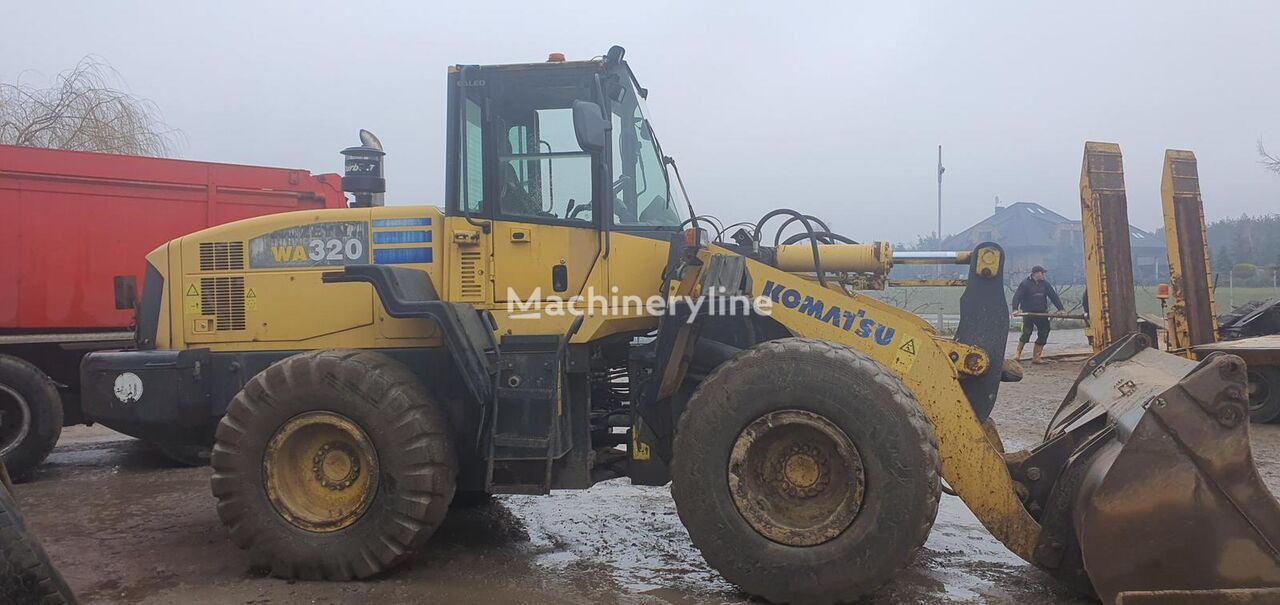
(808, 226)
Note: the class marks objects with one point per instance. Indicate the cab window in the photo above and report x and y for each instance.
(472, 185)
(542, 172)
(642, 195)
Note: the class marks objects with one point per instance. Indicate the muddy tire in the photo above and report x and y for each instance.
(764, 458)
(30, 417)
(333, 465)
(1264, 394)
(26, 574)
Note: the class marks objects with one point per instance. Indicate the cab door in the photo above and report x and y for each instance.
(546, 237)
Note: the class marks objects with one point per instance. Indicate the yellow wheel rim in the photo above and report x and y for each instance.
(321, 471)
(796, 478)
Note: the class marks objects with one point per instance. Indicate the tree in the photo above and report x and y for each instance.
(86, 109)
(1222, 261)
(1268, 161)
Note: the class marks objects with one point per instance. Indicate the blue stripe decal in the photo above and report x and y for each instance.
(401, 222)
(400, 256)
(401, 237)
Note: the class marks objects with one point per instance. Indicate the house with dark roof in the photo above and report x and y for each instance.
(1034, 235)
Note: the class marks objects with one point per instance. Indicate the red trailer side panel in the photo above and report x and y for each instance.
(70, 222)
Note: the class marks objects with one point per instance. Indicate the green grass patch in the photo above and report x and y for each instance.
(929, 301)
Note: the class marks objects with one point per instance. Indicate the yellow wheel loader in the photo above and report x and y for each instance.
(567, 319)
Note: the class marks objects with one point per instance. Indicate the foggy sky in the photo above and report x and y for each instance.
(835, 109)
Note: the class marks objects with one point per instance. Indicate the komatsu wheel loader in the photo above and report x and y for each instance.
(566, 319)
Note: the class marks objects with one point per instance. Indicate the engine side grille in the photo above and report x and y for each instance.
(470, 284)
(221, 256)
(223, 298)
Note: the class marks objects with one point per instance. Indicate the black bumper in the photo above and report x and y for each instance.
(159, 396)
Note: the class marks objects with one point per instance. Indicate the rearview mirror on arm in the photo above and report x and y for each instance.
(591, 128)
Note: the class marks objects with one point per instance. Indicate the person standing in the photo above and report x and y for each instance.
(1033, 296)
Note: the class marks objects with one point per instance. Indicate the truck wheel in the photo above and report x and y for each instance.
(26, 575)
(805, 472)
(333, 465)
(1264, 394)
(30, 416)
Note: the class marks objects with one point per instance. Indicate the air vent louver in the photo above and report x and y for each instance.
(221, 256)
(470, 280)
(223, 298)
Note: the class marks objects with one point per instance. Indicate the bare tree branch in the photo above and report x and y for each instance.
(85, 108)
(1268, 161)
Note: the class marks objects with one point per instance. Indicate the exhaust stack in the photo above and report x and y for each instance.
(362, 173)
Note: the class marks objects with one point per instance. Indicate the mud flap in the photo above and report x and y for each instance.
(1166, 496)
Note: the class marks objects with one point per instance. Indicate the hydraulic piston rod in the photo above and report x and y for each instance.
(876, 257)
(929, 257)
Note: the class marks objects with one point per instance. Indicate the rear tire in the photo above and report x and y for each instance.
(827, 394)
(31, 421)
(1264, 394)
(333, 465)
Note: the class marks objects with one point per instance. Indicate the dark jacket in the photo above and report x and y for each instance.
(1034, 296)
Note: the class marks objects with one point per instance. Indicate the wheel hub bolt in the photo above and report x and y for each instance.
(802, 471)
(319, 470)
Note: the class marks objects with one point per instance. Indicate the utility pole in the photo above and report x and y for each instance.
(1231, 287)
(940, 171)
(938, 235)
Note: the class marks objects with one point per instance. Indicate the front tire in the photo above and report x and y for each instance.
(805, 472)
(333, 465)
(30, 417)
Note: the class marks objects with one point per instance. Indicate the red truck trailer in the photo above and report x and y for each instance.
(74, 230)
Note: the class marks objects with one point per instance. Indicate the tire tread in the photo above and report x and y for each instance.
(410, 415)
(758, 578)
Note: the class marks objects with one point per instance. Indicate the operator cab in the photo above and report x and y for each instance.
(521, 147)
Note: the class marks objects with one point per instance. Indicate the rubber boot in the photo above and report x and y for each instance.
(1035, 355)
(1018, 356)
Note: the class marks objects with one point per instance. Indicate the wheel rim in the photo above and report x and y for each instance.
(1259, 390)
(796, 478)
(15, 419)
(321, 471)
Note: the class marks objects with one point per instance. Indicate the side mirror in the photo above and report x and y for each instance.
(590, 127)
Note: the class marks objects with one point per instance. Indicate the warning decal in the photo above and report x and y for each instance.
(905, 357)
(191, 298)
(250, 300)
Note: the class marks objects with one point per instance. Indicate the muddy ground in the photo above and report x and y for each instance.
(124, 525)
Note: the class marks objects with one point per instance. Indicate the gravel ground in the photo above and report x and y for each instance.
(125, 526)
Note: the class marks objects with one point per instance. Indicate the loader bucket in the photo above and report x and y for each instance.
(1156, 494)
